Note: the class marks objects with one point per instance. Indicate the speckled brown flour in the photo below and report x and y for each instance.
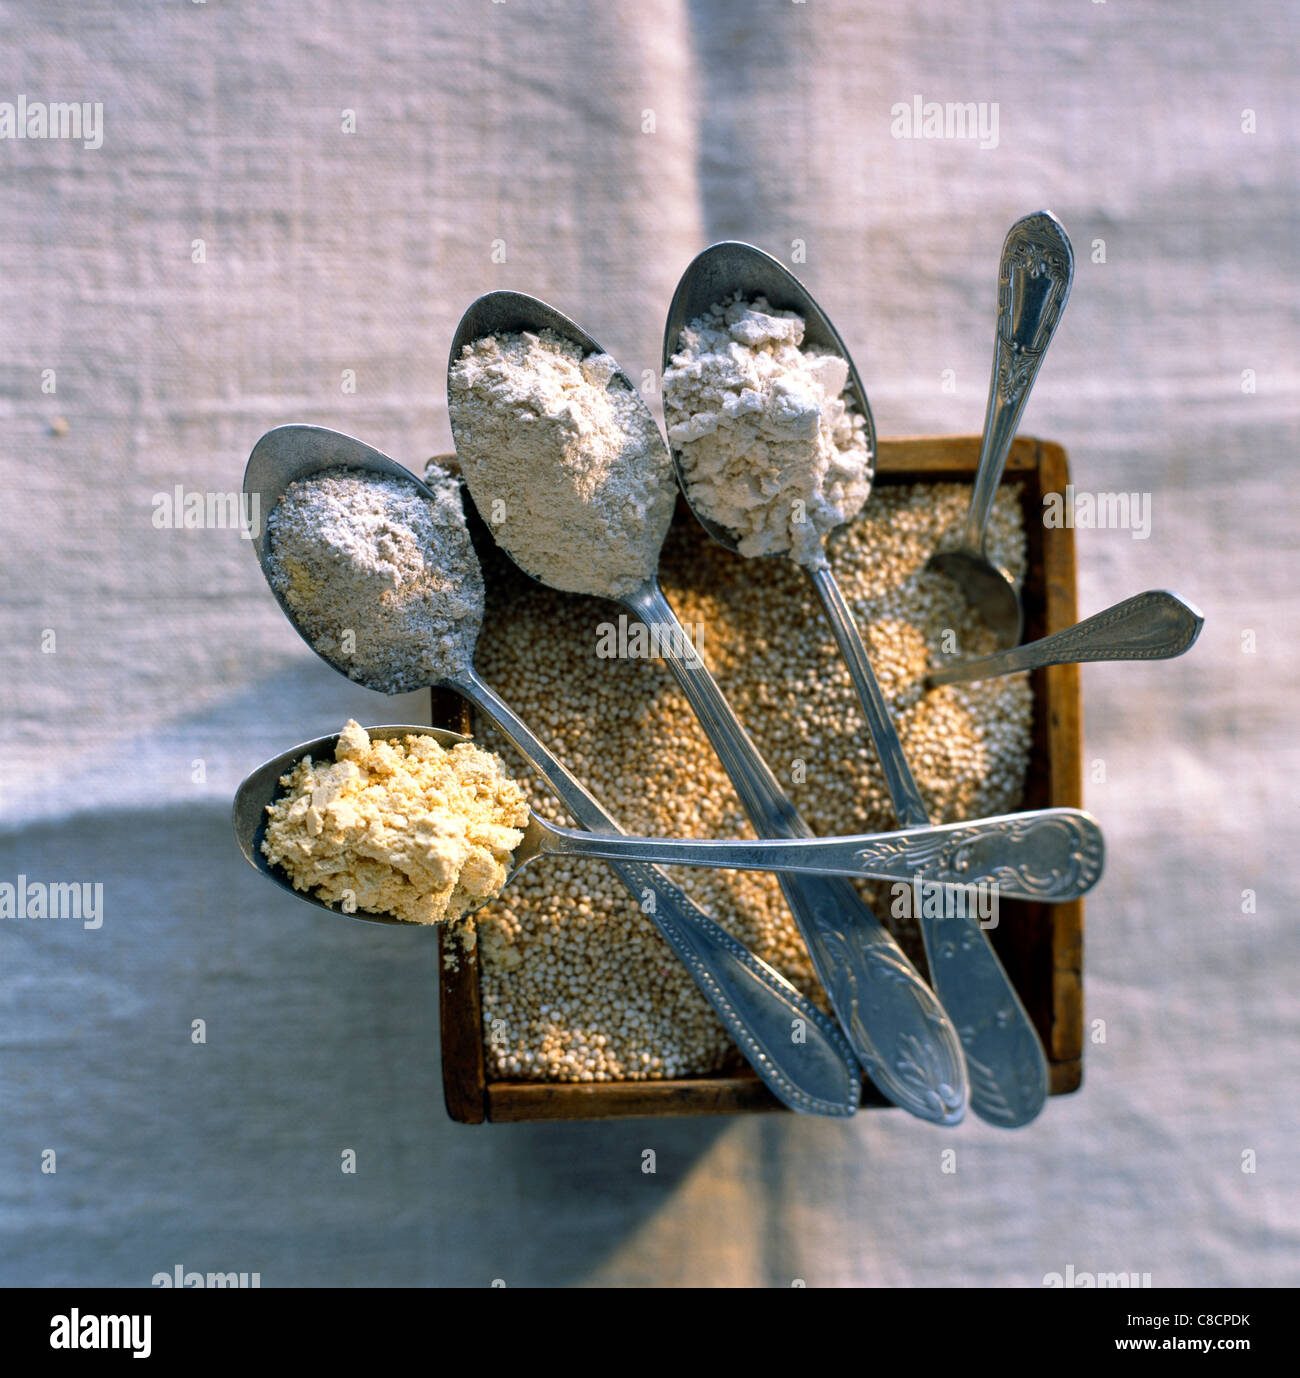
(383, 580)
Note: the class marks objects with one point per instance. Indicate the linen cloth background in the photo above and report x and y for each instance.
(524, 122)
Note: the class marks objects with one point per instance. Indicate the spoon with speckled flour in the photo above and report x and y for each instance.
(1008, 1069)
(755, 1003)
(898, 1029)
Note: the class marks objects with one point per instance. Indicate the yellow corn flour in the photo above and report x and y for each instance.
(405, 828)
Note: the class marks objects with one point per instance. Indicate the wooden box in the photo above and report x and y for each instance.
(1041, 945)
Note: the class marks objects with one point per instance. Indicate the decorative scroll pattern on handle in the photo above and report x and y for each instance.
(1054, 857)
(762, 1030)
(1033, 282)
(1012, 1102)
(1035, 270)
(870, 983)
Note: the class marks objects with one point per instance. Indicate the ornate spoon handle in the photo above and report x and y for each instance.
(800, 1054)
(1008, 1071)
(1046, 855)
(897, 1027)
(1034, 277)
(1155, 625)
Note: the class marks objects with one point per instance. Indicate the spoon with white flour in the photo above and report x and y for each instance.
(364, 628)
(773, 469)
(546, 422)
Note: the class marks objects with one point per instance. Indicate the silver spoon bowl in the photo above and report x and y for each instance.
(261, 787)
(987, 588)
(715, 276)
(289, 453)
(513, 313)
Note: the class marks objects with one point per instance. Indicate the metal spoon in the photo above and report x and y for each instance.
(897, 1027)
(956, 854)
(1009, 1073)
(756, 1004)
(1156, 625)
(1034, 276)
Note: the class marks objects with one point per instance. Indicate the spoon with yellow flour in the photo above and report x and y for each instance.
(952, 854)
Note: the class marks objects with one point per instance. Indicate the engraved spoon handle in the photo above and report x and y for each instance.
(897, 1027)
(1009, 1076)
(1034, 277)
(1008, 1071)
(1047, 855)
(799, 1053)
(1155, 625)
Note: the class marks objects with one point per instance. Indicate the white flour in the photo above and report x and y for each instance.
(770, 447)
(566, 466)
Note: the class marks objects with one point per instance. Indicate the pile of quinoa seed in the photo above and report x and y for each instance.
(577, 984)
